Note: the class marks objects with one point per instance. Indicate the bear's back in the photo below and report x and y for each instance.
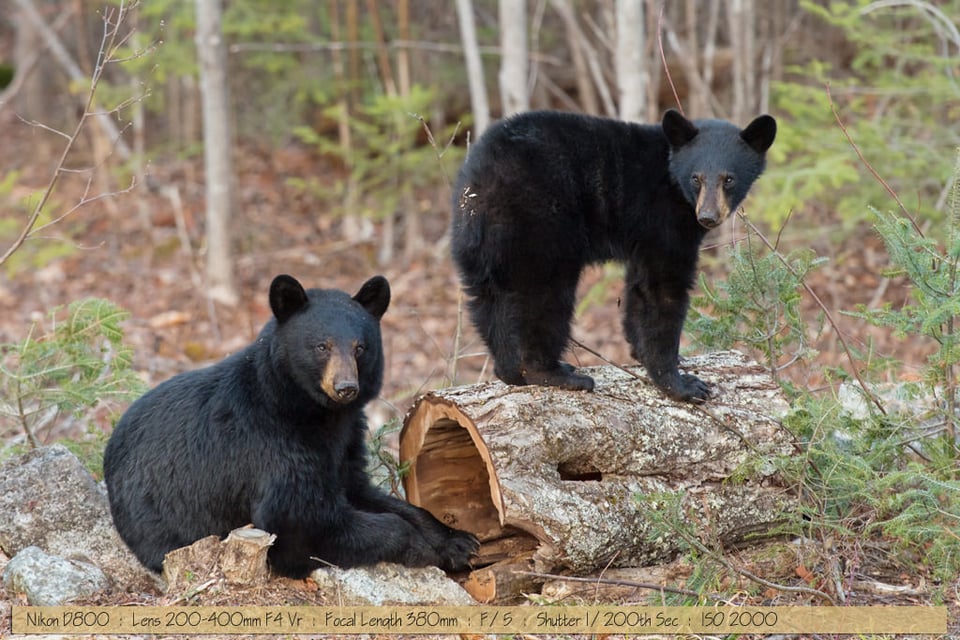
(543, 143)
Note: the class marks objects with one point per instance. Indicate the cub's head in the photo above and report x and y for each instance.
(714, 163)
(328, 342)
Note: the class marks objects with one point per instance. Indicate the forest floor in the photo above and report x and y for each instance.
(155, 271)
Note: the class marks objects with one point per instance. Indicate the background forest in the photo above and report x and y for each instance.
(137, 242)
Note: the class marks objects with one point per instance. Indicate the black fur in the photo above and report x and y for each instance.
(545, 193)
(274, 436)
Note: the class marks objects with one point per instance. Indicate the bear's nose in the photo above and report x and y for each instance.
(708, 219)
(346, 391)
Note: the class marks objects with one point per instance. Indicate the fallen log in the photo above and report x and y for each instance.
(559, 472)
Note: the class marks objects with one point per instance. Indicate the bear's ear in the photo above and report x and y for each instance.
(760, 133)
(286, 297)
(374, 296)
(679, 130)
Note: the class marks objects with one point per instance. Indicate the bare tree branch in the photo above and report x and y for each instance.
(73, 70)
(111, 38)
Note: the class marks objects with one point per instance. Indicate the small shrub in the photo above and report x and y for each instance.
(62, 377)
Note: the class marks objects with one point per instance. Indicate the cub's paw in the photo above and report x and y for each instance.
(688, 388)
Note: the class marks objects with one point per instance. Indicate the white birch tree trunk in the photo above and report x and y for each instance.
(632, 77)
(740, 24)
(217, 149)
(515, 58)
(479, 103)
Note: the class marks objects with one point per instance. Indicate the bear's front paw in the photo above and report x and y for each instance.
(457, 550)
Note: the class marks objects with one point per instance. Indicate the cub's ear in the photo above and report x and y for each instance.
(760, 133)
(286, 297)
(679, 130)
(374, 296)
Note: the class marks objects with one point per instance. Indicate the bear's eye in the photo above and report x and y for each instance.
(358, 350)
(695, 181)
(728, 181)
(322, 347)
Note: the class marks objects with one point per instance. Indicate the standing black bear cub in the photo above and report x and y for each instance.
(545, 193)
(274, 435)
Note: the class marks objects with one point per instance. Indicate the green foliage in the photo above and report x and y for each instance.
(73, 369)
(670, 520)
(932, 267)
(880, 470)
(897, 98)
(865, 486)
(385, 162)
(758, 305)
(7, 72)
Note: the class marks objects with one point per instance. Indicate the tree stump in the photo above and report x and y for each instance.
(241, 558)
(558, 473)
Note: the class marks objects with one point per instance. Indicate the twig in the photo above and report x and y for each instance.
(663, 59)
(866, 163)
(62, 56)
(596, 353)
(457, 337)
(48, 192)
(436, 149)
(194, 592)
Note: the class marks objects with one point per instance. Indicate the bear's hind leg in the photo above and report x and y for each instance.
(492, 321)
(544, 335)
(527, 332)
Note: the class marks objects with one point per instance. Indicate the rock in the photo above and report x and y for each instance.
(49, 500)
(50, 581)
(390, 584)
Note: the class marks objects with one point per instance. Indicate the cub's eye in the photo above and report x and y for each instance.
(322, 347)
(359, 350)
(728, 182)
(695, 181)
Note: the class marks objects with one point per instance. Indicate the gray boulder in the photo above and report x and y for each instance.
(50, 581)
(49, 500)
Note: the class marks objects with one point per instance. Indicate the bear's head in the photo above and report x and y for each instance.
(714, 162)
(327, 342)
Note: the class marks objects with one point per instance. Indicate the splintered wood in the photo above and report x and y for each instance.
(550, 479)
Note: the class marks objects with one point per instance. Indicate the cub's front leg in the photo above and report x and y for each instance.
(453, 548)
(652, 321)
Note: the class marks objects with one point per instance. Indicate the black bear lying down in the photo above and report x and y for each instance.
(274, 435)
(544, 193)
